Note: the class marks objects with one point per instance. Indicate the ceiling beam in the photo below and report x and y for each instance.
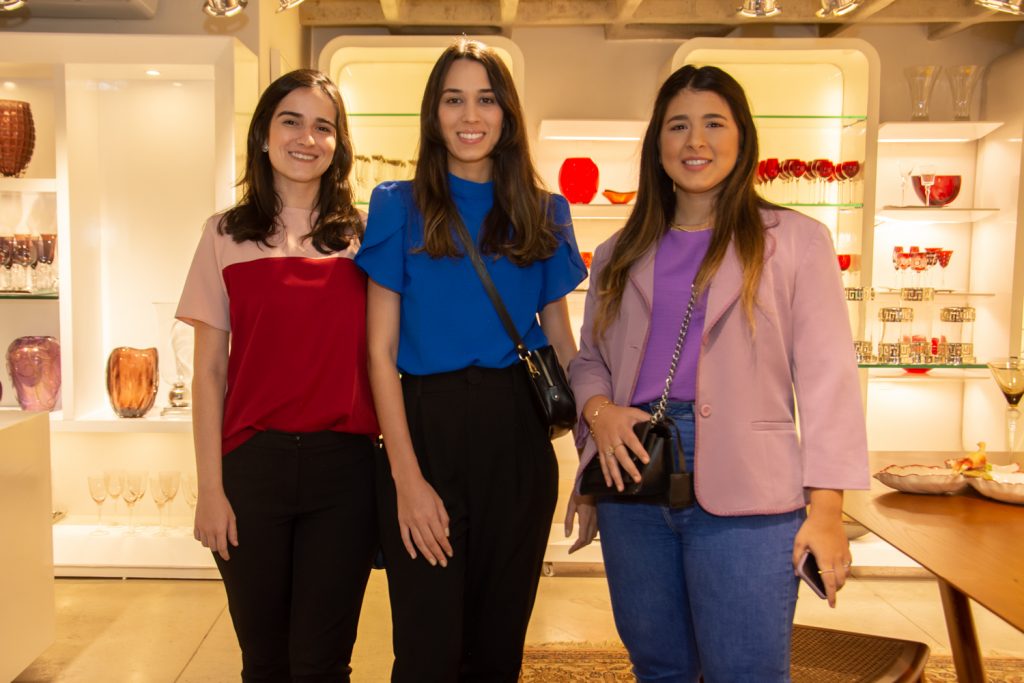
(938, 31)
(509, 10)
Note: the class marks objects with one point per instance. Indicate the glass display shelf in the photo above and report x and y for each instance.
(935, 131)
(826, 205)
(895, 291)
(925, 367)
(30, 296)
(934, 214)
(28, 184)
(924, 373)
(600, 212)
(808, 121)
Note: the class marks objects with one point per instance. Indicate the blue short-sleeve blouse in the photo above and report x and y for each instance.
(447, 320)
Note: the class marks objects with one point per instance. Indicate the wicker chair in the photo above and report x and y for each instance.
(822, 655)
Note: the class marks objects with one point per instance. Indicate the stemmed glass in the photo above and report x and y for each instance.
(906, 170)
(771, 172)
(944, 256)
(113, 480)
(824, 171)
(847, 172)
(191, 492)
(157, 492)
(23, 258)
(169, 483)
(844, 263)
(927, 174)
(1009, 375)
(794, 169)
(6, 254)
(47, 254)
(134, 490)
(98, 492)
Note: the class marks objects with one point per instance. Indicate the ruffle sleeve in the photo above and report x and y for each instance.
(383, 250)
(564, 270)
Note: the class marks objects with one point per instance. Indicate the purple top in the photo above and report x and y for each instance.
(676, 264)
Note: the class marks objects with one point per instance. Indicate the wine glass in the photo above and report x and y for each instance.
(824, 171)
(848, 172)
(113, 480)
(98, 492)
(927, 173)
(6, 256)
(771, 172)
(134, 490)
(906, 169)
(844, 263)
(944, 256)
(795, 169)
(1009, 375)
(157, 493)
(23, 258)
(47, 254)
(170, 481)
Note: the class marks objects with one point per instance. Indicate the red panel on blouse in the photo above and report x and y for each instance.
(298, 333)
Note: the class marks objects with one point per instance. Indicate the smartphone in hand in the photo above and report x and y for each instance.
(807, 569)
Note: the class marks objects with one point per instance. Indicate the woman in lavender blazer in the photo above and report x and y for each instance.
(710, 590)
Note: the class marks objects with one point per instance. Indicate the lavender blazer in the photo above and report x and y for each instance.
(750, 458)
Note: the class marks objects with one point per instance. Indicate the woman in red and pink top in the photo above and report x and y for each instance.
(283, 416)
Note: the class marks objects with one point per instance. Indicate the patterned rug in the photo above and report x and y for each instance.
(598, 662)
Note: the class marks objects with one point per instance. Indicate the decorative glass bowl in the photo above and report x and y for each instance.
(944, 191)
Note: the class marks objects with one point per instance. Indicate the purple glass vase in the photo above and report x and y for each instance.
(34, 366)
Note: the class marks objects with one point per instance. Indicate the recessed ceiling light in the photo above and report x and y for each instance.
(837, 8)
(11, 5)
(1008, 6)
(224, 8)
(760, 8)
(152, 72)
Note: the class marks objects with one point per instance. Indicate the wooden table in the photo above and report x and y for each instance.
(973, 546)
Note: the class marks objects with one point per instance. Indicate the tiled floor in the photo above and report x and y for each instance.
(162, 631)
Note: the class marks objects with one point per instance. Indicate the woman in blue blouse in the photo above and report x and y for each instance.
(470, 480)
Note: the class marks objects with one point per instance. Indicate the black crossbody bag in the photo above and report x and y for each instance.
(661, 479)
(549, 386)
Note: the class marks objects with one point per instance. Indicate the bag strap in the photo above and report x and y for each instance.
(659, 410)
(492, 291)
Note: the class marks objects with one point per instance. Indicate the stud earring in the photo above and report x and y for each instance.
(266, 147)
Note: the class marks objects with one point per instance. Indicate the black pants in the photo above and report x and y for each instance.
(306, 536)
(482, 447)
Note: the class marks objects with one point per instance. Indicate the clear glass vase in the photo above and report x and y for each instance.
(921, 80)
(962, 80)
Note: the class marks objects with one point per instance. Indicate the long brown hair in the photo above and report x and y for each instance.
(518, 225)
(255, 216)
(737, 217)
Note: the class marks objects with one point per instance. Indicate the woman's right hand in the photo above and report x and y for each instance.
(423, 521)
(613, 433)
(215, 525)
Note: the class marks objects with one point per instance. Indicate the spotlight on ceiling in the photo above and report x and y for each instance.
(11, 5)
(224, 8)
(1008, 6)
(837, 8)
(288, 4)
(760, 8)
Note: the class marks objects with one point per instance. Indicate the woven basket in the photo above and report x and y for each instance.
(17, 137)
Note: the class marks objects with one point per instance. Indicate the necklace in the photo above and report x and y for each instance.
(698, 227)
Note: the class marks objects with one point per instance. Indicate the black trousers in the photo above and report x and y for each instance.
(306, 536)
(482, 447)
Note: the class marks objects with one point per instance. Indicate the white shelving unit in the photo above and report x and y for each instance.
(945, 409)
(136, 142)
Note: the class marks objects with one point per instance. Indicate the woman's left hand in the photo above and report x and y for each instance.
(822, 532)
(586, 509)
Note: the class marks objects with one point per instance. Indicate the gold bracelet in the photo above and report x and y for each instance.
(593, 417)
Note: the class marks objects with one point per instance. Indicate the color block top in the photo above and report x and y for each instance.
(297, 320)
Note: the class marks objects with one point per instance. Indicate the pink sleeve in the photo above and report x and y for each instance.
(205, 297)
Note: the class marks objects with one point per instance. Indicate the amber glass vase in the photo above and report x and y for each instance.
(17, 137)
(34, 366)
(132, 380)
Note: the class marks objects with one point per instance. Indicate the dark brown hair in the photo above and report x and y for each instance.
(519, 225)
(737, 216)
(255, 216)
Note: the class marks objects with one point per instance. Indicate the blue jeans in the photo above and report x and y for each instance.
(696, 594)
